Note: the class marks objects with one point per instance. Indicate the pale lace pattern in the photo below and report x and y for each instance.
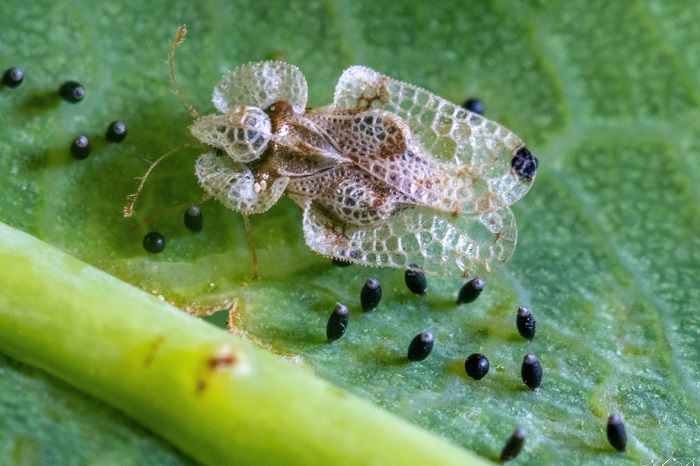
(243, 133)
(446, 131)
(387, 175)
(234, 185)
(261, 84)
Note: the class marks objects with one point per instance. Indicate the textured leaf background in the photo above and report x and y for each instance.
(604, 93)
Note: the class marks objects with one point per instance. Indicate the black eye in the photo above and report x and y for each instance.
(470, 291)
(474, 105)
(154, 242)
(71, 91)
(415, 279)
(617, 435)
(420, 347)
(513, 445)
(193, 218)
(337, 323)
(371, 294)
(476, 366)
(525, 323)
(80, 147)
(116, 131)
(531, 371)
(13, 77)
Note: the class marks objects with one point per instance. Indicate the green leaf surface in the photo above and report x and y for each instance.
(605, 94)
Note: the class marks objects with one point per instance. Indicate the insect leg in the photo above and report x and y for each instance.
(249, 238)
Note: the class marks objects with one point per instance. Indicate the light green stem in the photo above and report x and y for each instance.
(211, 394)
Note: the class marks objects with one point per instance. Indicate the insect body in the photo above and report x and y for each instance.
(387, 175)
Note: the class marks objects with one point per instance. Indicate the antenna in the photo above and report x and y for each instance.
(129, 208)
(181, 31)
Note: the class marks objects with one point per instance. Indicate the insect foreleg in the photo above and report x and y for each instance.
(249, 238)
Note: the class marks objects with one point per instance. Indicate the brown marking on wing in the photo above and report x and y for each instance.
(365, 102)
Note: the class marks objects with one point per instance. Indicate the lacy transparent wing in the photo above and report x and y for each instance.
(243, 133)
(234, 185)
(380, 143)
(350, 195)
(261, 84)
(439, 244)
(480, 147)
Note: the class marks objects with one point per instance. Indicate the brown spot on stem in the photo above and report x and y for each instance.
(222, 360)
(152, 349)
(225, 359)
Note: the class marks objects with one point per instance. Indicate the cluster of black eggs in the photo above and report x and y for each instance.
(420, 347)
(74, 92)
(476, 365)
(617, 436)
(194, 221)
(80, 147)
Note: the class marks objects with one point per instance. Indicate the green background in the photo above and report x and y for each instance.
(605, 94)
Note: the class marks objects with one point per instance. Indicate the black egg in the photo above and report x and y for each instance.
(525, 322)
(340, 263)
(420, 347)
(80, 147)
(524, 164)
(371, 294)
(337, 323)
(531, 371)
(415, 279)
(617, 435)
(477, 366)
(13, 77)
(71, 91)
(513, 445)
(116, 131)
(470, 291)
(193, 218)
(474, 105)
(154, 242)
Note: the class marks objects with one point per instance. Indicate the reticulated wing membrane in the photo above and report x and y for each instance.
(234, 185)
(380, 143)
(243, 133)
(438, 244)
(261, 84)
(350, 196)
(450, 133)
